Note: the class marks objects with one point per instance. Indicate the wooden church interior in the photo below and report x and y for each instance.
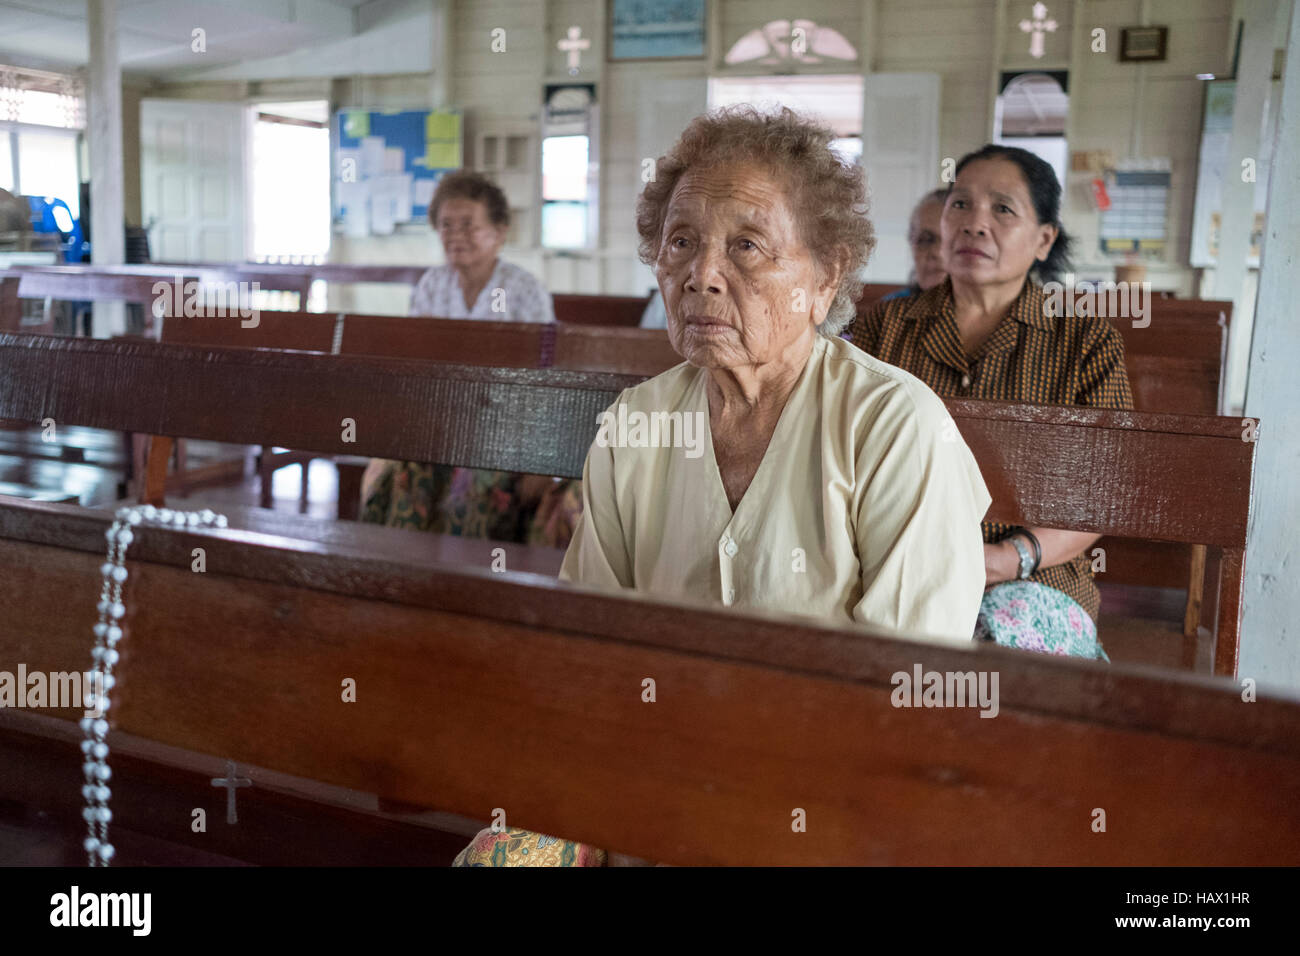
(478, 689)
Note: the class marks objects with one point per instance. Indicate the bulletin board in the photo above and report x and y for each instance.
(386, 165)
(1216, 137)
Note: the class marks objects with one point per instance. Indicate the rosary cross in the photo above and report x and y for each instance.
(231, 783)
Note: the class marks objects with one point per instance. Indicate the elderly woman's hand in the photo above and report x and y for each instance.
(1001, 563)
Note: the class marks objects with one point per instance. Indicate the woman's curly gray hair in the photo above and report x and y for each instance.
(828, 194)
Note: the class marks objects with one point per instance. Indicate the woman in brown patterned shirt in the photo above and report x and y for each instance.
(987, 332)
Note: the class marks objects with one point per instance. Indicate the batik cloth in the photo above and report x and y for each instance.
(514, 847)
(471, 502)
(1035, 617)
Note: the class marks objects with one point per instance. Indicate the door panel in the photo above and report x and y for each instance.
(900, 152)
(192, 172)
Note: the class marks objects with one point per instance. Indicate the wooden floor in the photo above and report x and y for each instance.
(91, 464)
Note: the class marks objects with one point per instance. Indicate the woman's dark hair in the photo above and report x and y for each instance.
(465, 184)
(1045, 192)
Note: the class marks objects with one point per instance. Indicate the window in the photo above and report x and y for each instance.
(41, 99)
(41, 115)
(47, 165)
(1030, 113)
(6, 161)
(835, 100)
(569, 201)
(291, 182)
(564, 191)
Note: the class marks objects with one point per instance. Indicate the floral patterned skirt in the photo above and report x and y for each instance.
(471, 502)
(1035, 617)
(513, 847)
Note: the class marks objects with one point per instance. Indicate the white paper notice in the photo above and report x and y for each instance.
(355, 200)
(349, 169)
(372, 156)
(403, 196)
(390, 202)
(424, 191)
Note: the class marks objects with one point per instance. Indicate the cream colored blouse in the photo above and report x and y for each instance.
(865, 508)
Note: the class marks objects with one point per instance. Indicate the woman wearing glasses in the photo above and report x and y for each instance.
(471, 215)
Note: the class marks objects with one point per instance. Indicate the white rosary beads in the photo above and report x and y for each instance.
(108, 632)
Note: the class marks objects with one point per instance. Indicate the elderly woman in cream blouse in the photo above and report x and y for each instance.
(824, 482)
(827, 482)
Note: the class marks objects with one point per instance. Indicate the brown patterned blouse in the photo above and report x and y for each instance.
(1030, 357)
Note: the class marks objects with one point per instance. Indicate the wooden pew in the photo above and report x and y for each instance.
(588, 348)
(311, 331)
(1131, 562)
(1174, 365)
(873, 292)
(276, 619)
(98, 282)
(137, 284)
(1172, 478)
(619, 310)
(487, 690)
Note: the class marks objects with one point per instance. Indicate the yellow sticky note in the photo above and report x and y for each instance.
(442, 155)
(442, 126)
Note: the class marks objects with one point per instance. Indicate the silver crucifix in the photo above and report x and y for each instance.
(231, 783)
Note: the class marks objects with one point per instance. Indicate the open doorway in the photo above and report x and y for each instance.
(290, 207)
(1030, 113)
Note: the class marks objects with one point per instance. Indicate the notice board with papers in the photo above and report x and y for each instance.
(387, 163)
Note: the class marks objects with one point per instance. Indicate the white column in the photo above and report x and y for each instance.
(995, 73)
(1237, 201)
(443, 85)
(104, 139)
(1270, 627)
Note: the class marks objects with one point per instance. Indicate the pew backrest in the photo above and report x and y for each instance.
(1174, 478)
(135, 283)
(617, 310)
(304, 331)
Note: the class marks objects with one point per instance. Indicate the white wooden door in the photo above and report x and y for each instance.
(193, 174)
(900, 152)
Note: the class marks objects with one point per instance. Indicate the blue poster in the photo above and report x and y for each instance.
(386, 165)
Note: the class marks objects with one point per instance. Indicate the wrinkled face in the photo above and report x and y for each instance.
(990, 230)
(739, 284)
(927, 250)
(468, 236)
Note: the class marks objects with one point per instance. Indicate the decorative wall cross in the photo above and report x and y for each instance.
(231, 782)
(574, 46)
(1038, 28)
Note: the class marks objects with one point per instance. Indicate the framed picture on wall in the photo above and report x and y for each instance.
(1143, 43)
(656, 29)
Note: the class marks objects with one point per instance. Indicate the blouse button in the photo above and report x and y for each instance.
(731, 548)
(965, 381)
